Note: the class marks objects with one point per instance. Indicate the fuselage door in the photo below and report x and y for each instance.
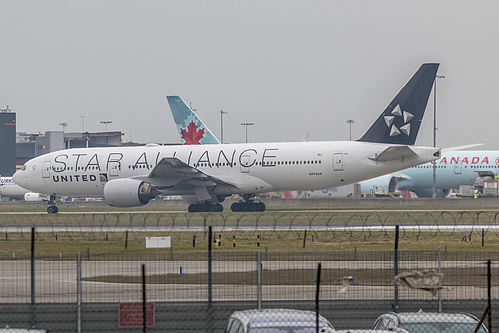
(46, 169)
(114, 169)
(458, 168)
(338, 162)
(245, 162)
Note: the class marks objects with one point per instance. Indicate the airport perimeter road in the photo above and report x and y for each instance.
(55, 281)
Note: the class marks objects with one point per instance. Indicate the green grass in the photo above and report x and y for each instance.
(226, 224)
(246, 242)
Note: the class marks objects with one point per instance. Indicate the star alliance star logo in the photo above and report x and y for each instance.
(406, 128)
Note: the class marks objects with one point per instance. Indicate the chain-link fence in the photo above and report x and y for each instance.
(191, 292)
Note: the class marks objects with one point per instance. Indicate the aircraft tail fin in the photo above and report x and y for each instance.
(400, 121)
(191, 129)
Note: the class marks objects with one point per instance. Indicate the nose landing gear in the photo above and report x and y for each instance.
(52, 208)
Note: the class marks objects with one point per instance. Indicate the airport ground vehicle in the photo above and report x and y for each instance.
(276, 321)
(428, 322)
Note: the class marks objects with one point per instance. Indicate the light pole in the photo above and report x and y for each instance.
(64, 125)
(350, 122)
(82, 124)
(246, 125)
(435, 132)
(222, 112)
(106, 122)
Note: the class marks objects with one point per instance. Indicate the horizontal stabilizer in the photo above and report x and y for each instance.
(393, 153)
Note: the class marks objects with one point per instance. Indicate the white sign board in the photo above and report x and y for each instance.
(158, 242)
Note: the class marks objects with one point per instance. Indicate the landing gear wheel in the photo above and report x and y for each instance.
(250, 206)
(205, 207)
(52, 209)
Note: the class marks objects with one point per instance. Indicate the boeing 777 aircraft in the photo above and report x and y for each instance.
(205, 175)
(454, 169)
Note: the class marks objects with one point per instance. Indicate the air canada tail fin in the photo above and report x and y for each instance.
(400, 122)
(191, 129)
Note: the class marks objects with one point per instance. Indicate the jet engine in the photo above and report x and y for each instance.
(127, 192)
(446, 192)
(31, 196)
(380, 185)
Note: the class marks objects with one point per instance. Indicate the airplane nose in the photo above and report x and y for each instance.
(16, 177)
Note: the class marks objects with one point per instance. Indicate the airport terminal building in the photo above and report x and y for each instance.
(28, 146)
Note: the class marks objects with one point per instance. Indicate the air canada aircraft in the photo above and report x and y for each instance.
(454, 169)
(204, 175)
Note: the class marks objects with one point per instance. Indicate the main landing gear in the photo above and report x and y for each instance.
(52, 208)
(248, 205)
(205, 207)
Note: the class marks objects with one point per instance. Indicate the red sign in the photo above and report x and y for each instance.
(132, 315)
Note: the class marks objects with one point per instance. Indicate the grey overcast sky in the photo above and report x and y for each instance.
(288, 66)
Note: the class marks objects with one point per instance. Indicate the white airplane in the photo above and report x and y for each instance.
(204, 175)
(9, 189)
(454, 169)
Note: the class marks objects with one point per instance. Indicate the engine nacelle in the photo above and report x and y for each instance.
(31, 196)
(380, 185)
(127, 192)
(446, 193)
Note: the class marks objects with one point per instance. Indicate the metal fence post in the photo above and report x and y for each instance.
(396, 269)
(210, 290)
(78, 289)
(439, 281)
(144, 300)
(317, 294)
(259, 278)
(489, 295)
(33, 310)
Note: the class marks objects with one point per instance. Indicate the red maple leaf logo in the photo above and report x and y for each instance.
(192, 136)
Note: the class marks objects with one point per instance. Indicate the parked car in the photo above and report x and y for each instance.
(428, 322)
(360, 330)
(276, 321)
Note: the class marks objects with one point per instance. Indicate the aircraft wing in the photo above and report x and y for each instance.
(171, 171)
(392, 153)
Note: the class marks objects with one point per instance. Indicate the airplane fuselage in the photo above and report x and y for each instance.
(10, 189)
(452, 170)
(251, 168)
